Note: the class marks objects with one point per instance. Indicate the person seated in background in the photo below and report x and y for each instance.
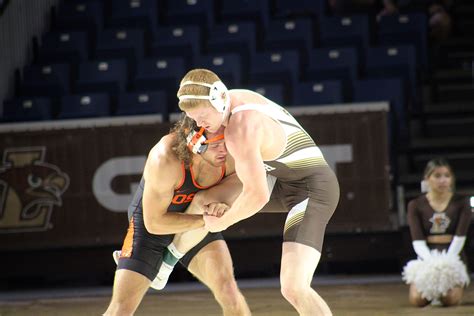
(438, 222)
(438, 14)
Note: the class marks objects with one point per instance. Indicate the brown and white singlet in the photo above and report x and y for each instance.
(300, 180)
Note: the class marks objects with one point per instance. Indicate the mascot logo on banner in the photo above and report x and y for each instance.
(29, 189)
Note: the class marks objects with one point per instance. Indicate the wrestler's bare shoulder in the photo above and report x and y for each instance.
(244, 96)
(162, 153)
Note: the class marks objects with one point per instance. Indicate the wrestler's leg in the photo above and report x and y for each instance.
(128, 291)
(303, 239)
(225, 192)
(212, 265)
(298, 265)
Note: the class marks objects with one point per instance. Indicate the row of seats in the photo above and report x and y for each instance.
(128, 49)
(98, 104)
(116, 75)
(302, 33)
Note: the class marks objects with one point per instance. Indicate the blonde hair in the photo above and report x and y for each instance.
(196, 75)
(181, 130)
(436, 163)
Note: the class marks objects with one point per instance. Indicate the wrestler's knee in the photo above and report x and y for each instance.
(226, 291)
(196, 206)
(121, 307)
(292, 291)
(453, 297)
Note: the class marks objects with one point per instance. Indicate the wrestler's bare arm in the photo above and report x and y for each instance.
(162, 174)
(243, 143)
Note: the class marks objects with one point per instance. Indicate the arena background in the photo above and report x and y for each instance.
(65, 236)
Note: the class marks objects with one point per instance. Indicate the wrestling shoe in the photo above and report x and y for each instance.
(162, 277)
(116, 255)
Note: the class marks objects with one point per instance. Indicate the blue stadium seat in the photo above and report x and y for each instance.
(336, 64)
(135, 103)
(27, 109)
(312, 8)
(194, 12)
(391, 90)
(274, 92)
(177, 41)
(84, 105)
(81, 16)
(108, 76)
(281, 67)
(227, 66)
(125, 44)
(350, 31)
(406, 29)
(161, 74)
(51, 80)
(64, 47)
(239, 38)
(237, 11)
(142, 14)
(394, 61)
(296, 34)
(318, 92)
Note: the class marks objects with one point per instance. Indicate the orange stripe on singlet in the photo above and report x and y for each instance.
(183, 169)
(206, 187)
(127, 247)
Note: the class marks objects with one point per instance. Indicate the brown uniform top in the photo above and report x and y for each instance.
(425, 221)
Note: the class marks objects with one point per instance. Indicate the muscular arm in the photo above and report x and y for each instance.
(162, 173)
(243, 144)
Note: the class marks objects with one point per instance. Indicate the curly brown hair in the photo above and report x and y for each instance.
(181, 130)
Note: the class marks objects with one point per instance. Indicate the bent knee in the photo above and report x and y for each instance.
(453, 297)
(415, 298)
(417, 301)
(228, 293)
(292, 292)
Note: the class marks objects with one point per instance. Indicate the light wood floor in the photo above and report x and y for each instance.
(371, 299)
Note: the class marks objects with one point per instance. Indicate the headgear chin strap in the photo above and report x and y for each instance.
(218, 95)
(198, 143)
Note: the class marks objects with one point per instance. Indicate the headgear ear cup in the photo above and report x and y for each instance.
(218, 96)
(197, 141)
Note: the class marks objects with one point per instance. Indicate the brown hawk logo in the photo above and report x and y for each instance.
(29, 189)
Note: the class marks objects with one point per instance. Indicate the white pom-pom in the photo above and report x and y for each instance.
(434, 277)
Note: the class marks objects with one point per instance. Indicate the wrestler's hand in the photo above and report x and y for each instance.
(213, 224)
(216, 209)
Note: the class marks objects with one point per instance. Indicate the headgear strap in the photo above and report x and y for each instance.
(198, 143)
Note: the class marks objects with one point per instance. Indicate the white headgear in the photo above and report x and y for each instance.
(218, 95)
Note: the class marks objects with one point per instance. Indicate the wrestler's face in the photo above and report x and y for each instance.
(206, 116)
(216, 153)
(440, 180)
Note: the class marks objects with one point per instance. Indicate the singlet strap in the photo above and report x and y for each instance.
(197, 185)
(183, 178)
